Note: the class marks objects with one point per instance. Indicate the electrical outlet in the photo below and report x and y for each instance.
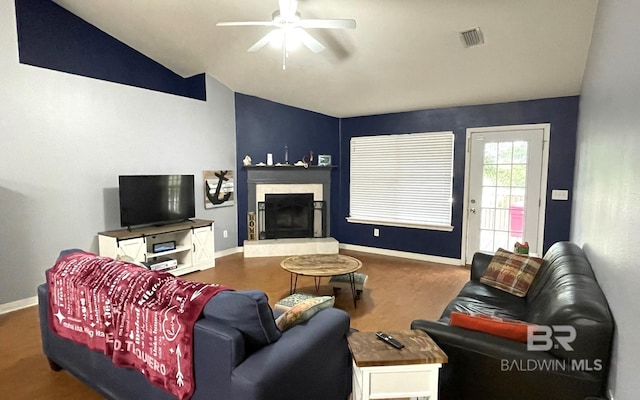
(376, 232)
(225, 233)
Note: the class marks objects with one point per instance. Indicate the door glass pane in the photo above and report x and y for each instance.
(491, 153)
(503, 195)
(487, 218)
(504, 175)
(488, 197)
(489, 176)
(520, 152)
(486, 240)
(505, 152)
(502, 220)
(501, 239)
(517, 196)
(519, 175)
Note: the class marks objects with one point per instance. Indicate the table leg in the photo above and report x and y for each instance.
(352, 282)
(293, 283)
(316, 282)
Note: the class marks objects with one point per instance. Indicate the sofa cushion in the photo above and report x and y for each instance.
(511, 272)
(247, 311)
(303, 311)
(478, 298)
(503, 327)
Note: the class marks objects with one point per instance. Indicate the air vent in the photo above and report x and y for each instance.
(472, 37)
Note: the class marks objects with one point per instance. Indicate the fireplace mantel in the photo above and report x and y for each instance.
(258, 175)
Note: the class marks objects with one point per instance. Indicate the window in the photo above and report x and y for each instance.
(402, 180)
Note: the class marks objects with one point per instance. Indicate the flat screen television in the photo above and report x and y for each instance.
(156, 199)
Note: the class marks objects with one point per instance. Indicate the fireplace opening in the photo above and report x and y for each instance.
(291, 216)
(288, 215)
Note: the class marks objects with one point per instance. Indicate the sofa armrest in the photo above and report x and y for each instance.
(217, 349)
(484, 344)
(479, 264)
(483, 366)
(310, 361)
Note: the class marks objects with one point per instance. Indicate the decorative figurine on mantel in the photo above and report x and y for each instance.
(246, 161)
(308, 159)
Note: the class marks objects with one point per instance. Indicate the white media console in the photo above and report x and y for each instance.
(194, 245)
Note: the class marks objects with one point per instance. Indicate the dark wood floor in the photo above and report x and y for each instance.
(398, 291)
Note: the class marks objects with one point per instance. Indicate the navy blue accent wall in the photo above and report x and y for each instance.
(263, 126)
(51, 37)
(561, 113)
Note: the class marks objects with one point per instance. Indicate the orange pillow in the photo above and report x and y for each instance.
(503, 327)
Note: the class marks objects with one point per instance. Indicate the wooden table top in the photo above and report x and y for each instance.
(419, 348)
(321, 264)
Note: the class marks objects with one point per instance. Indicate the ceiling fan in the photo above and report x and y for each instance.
(290, 29)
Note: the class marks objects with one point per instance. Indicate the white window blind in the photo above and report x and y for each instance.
(402, 180)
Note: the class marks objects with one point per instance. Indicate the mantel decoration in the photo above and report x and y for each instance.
(219, 188)
(324, 160)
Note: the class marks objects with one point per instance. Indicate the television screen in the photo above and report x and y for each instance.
(156, 199)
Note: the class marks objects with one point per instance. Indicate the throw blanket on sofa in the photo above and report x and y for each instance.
(140, 318)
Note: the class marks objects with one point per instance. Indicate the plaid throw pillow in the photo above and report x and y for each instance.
(510, 272)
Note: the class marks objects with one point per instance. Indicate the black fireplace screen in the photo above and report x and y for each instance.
(291, 215)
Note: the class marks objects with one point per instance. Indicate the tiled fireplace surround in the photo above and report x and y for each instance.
(289, 179)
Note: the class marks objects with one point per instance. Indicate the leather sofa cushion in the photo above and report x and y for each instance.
(478, 298)
(249, 312)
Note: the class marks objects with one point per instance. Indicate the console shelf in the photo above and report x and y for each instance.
(194, 241)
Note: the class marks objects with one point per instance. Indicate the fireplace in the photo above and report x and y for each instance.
(300, 224)
(287, 216)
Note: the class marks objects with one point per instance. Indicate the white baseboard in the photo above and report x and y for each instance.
(402, 254)
(18, 305)
(227, 252)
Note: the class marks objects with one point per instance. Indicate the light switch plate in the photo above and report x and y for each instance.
(559, 194)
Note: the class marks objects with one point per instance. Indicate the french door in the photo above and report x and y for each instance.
(505, 193)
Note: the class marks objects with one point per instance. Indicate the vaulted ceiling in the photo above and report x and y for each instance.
(403, 55)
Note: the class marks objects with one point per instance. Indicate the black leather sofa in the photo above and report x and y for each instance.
(484, 366)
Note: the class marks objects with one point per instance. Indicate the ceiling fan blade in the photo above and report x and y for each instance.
(263, 41)
(328, 23)
(246, 23)
(309, 41)
(288, 8)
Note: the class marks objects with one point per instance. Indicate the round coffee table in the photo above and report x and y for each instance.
(321, 265)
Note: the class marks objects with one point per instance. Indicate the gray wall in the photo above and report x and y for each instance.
(606, 218)
(65, 140)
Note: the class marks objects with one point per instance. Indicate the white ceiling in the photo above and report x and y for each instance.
(404, 54)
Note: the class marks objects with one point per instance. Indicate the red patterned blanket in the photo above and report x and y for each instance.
(141, 319)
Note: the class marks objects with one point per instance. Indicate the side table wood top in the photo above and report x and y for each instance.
(368, 351)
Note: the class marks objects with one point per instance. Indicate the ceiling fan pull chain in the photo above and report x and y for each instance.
(284, 51)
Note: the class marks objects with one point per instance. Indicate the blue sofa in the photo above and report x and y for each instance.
(239, 354)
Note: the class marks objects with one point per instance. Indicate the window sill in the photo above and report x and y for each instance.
(399, 224)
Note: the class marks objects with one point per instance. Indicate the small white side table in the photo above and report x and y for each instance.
(384, 372)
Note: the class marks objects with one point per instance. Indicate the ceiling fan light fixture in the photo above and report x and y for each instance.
(290, 36)
(290, 33)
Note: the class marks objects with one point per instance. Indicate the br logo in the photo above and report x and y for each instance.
(545, 338)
